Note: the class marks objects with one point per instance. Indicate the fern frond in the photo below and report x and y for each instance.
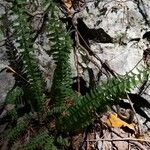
(33, 92)
(104, 95)
(13, 95)
(62, 142)
(56, 110)
(60, 48)
(41, 141)
(13, 113)
(14, 133)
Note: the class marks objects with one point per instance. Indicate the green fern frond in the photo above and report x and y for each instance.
(104, 95)
(34, 91)
(60, 48)
(13, 113)
(62, 142)
(14, 133)
(13, 95)
(41, 141)
(56, 110)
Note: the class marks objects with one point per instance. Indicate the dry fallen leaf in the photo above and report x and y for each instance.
(68, 4)
(114, 121)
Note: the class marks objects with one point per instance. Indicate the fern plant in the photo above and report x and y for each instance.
(60, 49)
(13, 95)
(23, 33)
(81, 114)
(20, 127)
(41, 141)
(70, 112)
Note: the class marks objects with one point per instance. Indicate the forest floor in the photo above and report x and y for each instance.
(125, 126)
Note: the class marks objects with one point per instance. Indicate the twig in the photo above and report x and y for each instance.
(90, 57)
(11, 69)
(104, 64)
(131, 104)
(142, 88)
(120, 139)
(135, 65)
(77, 68)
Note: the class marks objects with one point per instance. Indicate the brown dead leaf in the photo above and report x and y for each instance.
(68, 4)
(114, 121)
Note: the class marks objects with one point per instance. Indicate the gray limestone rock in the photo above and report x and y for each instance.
(6, 83)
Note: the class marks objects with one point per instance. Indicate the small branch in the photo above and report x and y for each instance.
(77, 68)
(88, 55)
(119, 139)
(90, 52)
(12, 70)
(139, 128)
(135, 65)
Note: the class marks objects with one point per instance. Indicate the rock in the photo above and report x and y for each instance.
(7, 82)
